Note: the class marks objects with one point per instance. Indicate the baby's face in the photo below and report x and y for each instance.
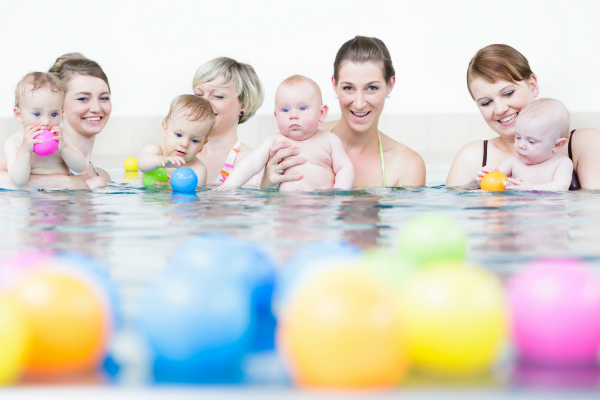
(185, 138)
(298, 111)
(42, 107)
(535, 142)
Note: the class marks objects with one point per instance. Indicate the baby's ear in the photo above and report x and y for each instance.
(18, 115)
(323, 113)
(559, 144)
(164, 128)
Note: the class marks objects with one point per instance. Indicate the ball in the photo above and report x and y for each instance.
(14, 338)
(68, 320)
(493, 181)
(14, 267)
(386, 266)
(130, 164)
(555, 306)
(343, 330)
(184, 179)
(431, 237)
(158, 175)
(48, 146)
(455, 319)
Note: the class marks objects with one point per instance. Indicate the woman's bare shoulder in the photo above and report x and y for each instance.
(583, 137)
(103, 173)
(471, 152)
(406, 167)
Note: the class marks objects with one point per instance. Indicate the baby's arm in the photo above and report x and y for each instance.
(18, 157)
(561, 180)
(342, 166)
(150, 159)
(71, 155)
(505, 167)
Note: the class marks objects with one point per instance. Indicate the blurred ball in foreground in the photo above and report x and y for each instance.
(14, 340)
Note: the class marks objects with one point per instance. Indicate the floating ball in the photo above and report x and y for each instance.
(388, 267)
(493, 181)
(158, 175)
(184, 179)
(14, 267)
(68, 321)
(455, 319)
(130, 164)
(555, 307)
(431, 237)
(48, 146)
(343, 330)
(14, 338)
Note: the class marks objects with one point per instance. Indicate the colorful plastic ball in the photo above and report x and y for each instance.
(158, 175)
(493, 181)
(388, 267)
(14, 338)
(343, 330)
(455, 319)
(432, 237)
(130, 164)
(14, 267)
(48, 146)
(555, 309)
(68, 320)
(184, 179)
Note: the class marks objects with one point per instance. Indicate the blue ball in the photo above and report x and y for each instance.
(184, 179)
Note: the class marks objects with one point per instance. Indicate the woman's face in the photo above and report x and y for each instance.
(362, 90)
(500, 102)
(224, 101)
(87, 105)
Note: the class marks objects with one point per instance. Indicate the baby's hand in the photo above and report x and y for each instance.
(58, 137)
(172, 162)
(483, 172)
(517, 184)
(222, 188)
(28, 138)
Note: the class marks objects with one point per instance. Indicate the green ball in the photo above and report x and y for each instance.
(388, 267)
(432, 237)
(159, 175)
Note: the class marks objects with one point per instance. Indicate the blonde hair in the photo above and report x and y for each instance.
(71, 64)
(37, 80)
(296, 80)
(549, 111)
(364, 49)
(249, 89)
(192, 108)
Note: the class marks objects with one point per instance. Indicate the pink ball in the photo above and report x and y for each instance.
(15, 266)
(48, 146)
(555, 307)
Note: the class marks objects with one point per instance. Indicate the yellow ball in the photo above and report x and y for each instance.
(14, 340)
(130, 164)
(455, 319)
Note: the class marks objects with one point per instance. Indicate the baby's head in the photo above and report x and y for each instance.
(299, 107)
(187, 126)
(541, 130)
(39, 99)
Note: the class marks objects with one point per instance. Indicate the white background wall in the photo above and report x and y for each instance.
(150, 50)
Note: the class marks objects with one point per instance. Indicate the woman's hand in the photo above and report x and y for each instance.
(483, 172)
(281, 157)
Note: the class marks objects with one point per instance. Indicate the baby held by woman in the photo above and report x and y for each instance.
(541, 131)
(299, 109)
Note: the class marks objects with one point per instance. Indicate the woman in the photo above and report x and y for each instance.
(363, 76)
(235, 94)
(502, 84)
(86, 111)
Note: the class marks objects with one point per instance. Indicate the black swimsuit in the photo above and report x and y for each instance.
(574, 180)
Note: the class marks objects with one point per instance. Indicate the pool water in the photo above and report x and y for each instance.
(134, 231)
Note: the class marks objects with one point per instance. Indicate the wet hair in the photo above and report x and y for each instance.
(296, 80)
(249, 89)
(498, 62)
(71, 64)
(363, 49)
(191, 108)
(550, 112)
(36, 80)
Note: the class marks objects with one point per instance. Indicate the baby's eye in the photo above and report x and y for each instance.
(285, 109)
(178, 134)
(54, 115)
(302, 108)
(36, 114)
(195, 141)
(532, 142)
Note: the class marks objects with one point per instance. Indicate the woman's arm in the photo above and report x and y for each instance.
(465, 165)
(585, 145)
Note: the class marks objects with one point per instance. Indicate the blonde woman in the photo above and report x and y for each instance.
(235, 94)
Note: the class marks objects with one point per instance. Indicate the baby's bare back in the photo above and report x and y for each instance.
(543, 172)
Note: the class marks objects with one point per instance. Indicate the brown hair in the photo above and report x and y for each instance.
(498, 62)
(70, 64)
(195, 108)
(37, 80)
(364, 49)
(296, 80)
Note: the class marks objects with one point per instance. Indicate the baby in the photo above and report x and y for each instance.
(541, 131)
(186, 129)
(39, 99)
(299, 109)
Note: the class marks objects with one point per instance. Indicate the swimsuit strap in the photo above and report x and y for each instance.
(570, 140)
(484, 153)
(575, 185)
(228, 166)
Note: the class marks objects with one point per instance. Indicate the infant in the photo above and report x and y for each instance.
(299, 109)
(39, 99)
(186, 129)
(541, 131)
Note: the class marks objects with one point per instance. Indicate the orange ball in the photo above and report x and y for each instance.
(493, 181)
(69, 323)
(342, 329)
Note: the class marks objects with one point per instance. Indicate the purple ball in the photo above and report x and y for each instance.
(48, 146)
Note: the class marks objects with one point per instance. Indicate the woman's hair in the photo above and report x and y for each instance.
(249, 89)
(498, 62)
(191, 108)
(364, 49)
(71, 64)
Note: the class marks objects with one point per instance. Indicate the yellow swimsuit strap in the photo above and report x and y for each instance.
(380, 152)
